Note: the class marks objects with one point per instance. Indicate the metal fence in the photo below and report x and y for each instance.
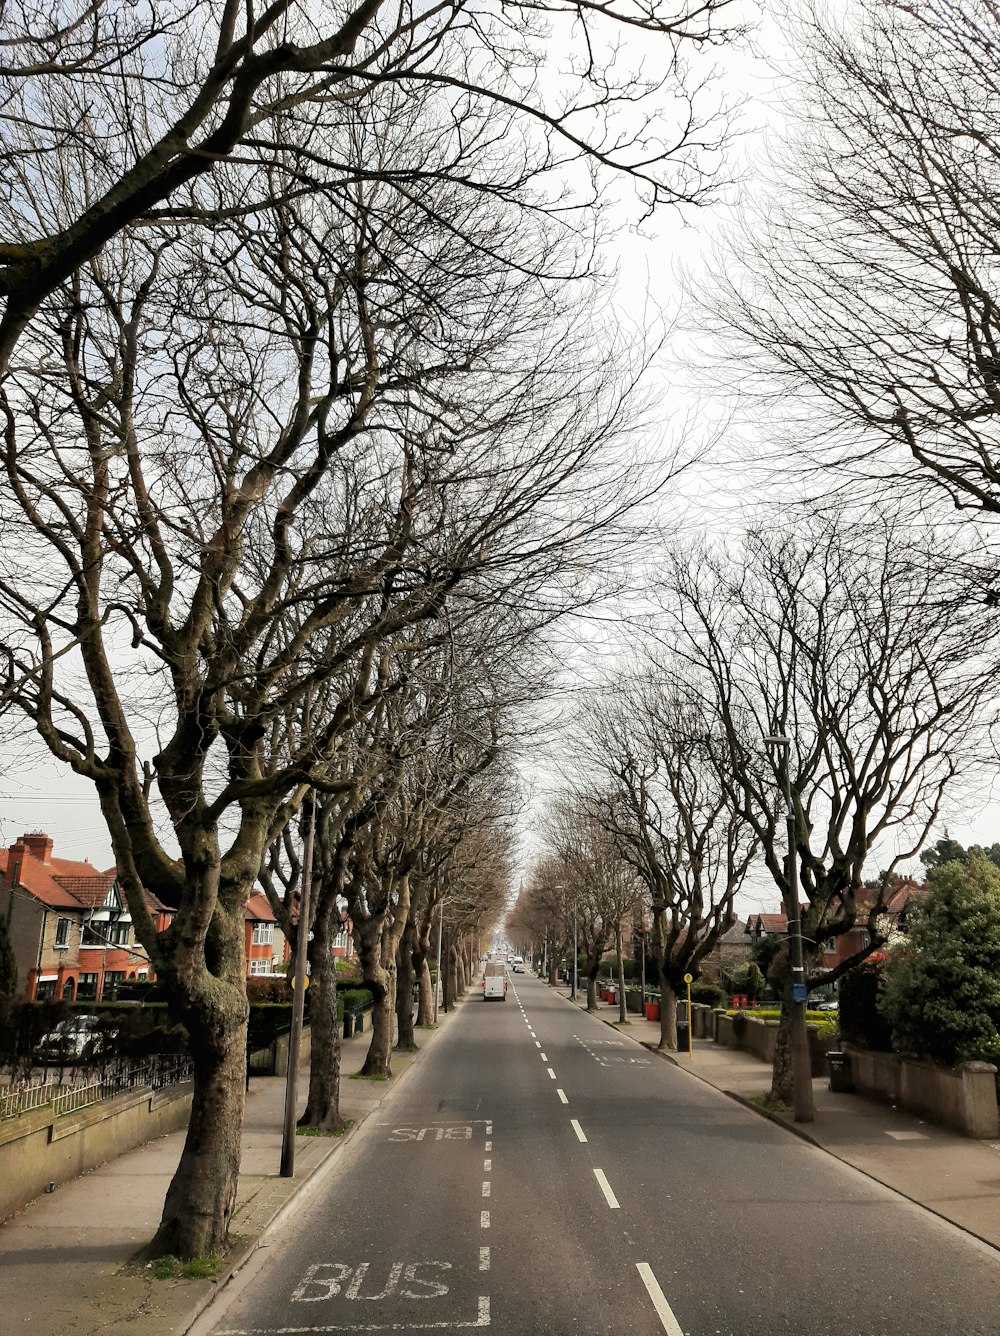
(154, 1073)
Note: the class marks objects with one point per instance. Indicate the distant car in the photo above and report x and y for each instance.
(517, 965)
(827, 1006)
(73, 1040)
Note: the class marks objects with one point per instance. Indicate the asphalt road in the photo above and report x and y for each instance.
(534, 1173)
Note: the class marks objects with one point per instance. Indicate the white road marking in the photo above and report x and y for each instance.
(663, 1311)
(908, 1136)
(489, 1129)
(484, 1220)
(537, 1044)
(543, 1057)
(482, 1319)
(488, 1146)
(605, 1187)
(551, 1073)
(486, 1189)
(484, 1259)
(562, 1095)
(580, 1133)
(487, 1166)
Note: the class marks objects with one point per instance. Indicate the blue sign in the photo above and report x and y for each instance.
(799, 991)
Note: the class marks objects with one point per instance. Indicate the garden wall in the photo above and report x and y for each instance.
(962, 1097)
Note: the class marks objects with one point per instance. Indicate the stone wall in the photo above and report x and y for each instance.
(963, 1098)
(37, 1148)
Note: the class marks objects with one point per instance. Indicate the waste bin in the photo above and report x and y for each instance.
(838, 1066)
(682, 1036)
(348, 1024)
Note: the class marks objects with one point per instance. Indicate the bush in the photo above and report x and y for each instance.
(263, 989)
(709, 994)
(861, 1022)
(353, 999)
(941, 994)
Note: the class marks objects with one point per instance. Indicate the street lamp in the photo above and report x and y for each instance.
(802, 1092)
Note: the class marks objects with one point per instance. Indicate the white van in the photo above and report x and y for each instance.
(517, 965)
(494, 982)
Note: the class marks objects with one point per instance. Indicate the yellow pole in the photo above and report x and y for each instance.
(687, 979)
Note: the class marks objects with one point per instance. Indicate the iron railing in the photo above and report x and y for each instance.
(154, 1073)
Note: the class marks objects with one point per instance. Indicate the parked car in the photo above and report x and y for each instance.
(76, 1039)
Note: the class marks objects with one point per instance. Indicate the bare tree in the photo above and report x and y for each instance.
(236, 467)
(864, 294)
(825, 638)
(664, 806)
(148, 103)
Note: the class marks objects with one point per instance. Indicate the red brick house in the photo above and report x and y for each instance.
(68, 923)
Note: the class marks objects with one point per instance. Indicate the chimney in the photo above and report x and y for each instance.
(40, 845)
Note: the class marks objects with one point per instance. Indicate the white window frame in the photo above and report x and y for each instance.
(263, 934)
(62, 923)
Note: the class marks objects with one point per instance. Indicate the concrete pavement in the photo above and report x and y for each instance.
(66, 1258)
(953, 1176)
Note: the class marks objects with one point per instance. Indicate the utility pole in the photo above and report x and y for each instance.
(802, 1091)
(298, 1003)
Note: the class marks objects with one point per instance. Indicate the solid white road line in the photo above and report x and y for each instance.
(562, 1096)
(605, 1187)
(551, 1073)
(580, 1133)
(670, 1324)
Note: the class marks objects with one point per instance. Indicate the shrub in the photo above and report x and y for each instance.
(353, 999)
(261, 989)
(941, 994)
(861, 1022)
(709, 994)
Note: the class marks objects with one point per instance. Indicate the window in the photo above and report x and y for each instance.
(260, 967)
(340, 941)
(62, 934)
(86, 987)
(263, 934)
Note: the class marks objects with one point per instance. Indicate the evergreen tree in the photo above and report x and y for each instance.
(942, 986)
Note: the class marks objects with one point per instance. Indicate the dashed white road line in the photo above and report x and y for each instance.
(605, 1187)
(543, 1057)
(484, 1259)
(484, 1219)
(580, 1133)
(562, 1095)
(663, 1311)
(486, 1189)
(488, 1146)
(551, 1073)
(487, 1166)
(537, 1044)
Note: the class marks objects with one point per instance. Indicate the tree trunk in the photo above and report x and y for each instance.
(452, 973)
(376, 979)
(462, 977)
(323, 1102)
(782, 1087)
(668, 1016)
(592, 977)
(202, 1193)
(622, 1006)
(405, 978)
(425, 1006)
(553, 968)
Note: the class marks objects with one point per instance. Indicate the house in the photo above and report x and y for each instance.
(265, 944)
(68, 923)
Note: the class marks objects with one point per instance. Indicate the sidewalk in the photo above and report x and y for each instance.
(64, 1259)
(952, 1175)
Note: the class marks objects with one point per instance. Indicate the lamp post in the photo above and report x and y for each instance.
(802, 1092)
(576, 952)
(287, 1168)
